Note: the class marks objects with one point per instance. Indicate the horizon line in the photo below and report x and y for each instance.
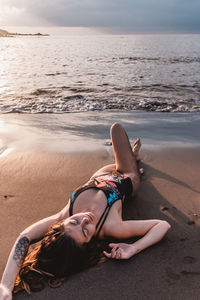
(105, 30)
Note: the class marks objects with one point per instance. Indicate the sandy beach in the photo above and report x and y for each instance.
(35, 183)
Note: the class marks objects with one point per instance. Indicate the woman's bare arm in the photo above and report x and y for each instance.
(151, 230)
(20, 248)
(153, 236)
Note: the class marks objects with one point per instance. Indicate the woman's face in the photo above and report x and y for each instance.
(81, 227)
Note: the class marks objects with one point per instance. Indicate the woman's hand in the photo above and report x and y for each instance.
(121, 251)
(5, 293)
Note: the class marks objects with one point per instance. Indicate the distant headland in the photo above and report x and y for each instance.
(4, 33)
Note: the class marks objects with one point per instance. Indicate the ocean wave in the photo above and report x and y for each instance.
(169, 60)
(40, 92)
(183, 89)
(84, 91)
(105, 96)
(56, 74)
(80, 103)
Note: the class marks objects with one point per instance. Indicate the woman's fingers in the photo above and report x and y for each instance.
(113, 245)
(118, 254)
(111, 254)
(107, 254)
(115, 252)
(5, 293)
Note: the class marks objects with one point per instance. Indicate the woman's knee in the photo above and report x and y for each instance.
(116, 128)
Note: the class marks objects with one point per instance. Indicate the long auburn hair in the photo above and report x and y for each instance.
(55, 258)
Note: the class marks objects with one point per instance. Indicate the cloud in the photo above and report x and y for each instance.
(137, 15)
(16, 13)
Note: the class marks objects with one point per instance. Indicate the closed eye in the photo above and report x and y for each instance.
(74, 222)
(85, 232)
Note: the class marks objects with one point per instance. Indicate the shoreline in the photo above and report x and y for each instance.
(5, 33)
(85, 131)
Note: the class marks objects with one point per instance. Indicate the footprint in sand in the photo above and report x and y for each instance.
(184, 272)
(189, 260)
(170, 274)
(190, 222)
(164, 208)
(183, 239)
(8, 196)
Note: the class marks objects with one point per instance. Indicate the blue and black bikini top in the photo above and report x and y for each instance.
(114, 190)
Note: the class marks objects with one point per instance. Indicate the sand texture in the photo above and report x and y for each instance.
(34, 185)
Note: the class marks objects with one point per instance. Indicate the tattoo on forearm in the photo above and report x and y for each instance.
(21, 250)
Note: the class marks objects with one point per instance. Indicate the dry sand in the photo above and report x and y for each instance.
(34, 185)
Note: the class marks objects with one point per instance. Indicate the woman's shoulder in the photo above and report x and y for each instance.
(111, 226)
(64, 213)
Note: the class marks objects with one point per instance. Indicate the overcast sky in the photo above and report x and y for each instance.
(129, 15)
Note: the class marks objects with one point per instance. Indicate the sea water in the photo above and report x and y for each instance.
(66, 73)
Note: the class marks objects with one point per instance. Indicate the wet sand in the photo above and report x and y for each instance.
(36, 184)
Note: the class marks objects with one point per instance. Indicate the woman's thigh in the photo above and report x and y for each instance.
(124, 157)
(105, 170)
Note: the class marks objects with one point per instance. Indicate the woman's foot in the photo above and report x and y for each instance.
(141, 170)
(136, 148)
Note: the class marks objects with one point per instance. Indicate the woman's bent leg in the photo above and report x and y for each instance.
(124, 157)
(105, 170)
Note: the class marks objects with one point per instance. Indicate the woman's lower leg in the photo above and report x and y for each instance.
(124, 156)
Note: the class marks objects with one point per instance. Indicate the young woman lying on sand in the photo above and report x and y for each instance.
(74, 238)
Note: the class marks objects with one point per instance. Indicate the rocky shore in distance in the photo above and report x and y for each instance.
(4, 33)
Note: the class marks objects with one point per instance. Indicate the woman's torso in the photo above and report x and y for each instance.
(97, 199)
